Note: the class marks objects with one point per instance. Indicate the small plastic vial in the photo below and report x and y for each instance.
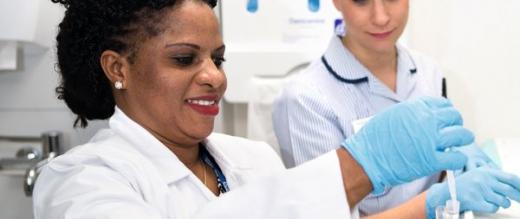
(450, 211)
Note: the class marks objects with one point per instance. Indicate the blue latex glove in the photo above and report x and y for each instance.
(407, 141)
(476, 157)
(482, 189)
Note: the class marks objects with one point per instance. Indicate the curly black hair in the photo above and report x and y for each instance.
(91, 27)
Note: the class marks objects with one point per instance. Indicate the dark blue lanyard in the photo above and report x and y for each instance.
(208, 159)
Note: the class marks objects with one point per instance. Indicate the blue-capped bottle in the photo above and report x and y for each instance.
(252, 6)
(314, 5)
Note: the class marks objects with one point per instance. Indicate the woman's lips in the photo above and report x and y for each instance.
(383, 35)
(207, 105)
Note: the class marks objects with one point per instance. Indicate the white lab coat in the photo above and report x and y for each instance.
(124, 172)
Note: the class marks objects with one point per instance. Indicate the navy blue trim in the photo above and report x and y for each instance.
(339, 78)
(412, 70)
(208, 159)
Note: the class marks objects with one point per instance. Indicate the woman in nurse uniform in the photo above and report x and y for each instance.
(359, 75)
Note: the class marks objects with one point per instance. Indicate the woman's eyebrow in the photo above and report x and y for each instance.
(182, 45)
(221, 48)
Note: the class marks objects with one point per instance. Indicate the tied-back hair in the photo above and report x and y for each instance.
(91, 27)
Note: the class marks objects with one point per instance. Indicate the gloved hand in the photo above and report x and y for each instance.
(476, 157)
(408, 140)
(482, 189)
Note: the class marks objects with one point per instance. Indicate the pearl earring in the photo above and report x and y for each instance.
(118, 85)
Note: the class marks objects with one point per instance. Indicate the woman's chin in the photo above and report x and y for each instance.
(202, 132)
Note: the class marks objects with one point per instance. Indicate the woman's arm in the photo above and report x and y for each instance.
(355, 181)
(412, 209)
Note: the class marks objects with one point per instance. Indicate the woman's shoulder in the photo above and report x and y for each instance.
(106, 156)
(306, 86)
(106, 149)
(307, 80)
(104, 167)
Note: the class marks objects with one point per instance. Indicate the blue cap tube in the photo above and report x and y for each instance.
(252, 6)
(314, 5)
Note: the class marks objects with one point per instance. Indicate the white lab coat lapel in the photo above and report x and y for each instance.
(150, 147)
(235, 167)
(168, 166)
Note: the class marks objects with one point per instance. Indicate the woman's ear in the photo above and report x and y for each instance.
(116, 68)
(337, 5)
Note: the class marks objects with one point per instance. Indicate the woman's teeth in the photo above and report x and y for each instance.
(202, 102)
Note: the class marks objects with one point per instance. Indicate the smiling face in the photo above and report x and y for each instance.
(175, 80)
(373, 25)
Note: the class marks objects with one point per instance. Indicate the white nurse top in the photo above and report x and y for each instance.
(124, 172)
(317, 107)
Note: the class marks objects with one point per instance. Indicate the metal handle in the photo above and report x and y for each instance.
(51, 147)
(51, 143)
(31, 175)
(25, 157)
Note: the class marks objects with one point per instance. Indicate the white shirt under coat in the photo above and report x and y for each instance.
(124, 172)
(315, 111)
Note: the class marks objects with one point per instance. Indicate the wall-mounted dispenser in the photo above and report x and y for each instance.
(264, 49)
(297, 32)
(20, 30)
(8, 51)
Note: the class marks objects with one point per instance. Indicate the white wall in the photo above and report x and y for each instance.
(28, 104)
(477, 43)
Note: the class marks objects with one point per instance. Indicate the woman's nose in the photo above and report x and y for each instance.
(380, 15)
(211, 75)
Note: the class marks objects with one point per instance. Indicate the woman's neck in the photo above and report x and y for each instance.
(383, 65)
(189, 155)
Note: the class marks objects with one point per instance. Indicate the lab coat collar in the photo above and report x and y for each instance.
(166, 162)
(227, 157)
(169, 166)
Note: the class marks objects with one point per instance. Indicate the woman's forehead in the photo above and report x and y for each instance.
(195, 22)
(190, 15)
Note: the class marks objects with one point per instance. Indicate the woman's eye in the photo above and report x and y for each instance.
(184, 60)
(360, 2)
(218, 61)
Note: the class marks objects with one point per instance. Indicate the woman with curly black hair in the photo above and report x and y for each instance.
(153, 68)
